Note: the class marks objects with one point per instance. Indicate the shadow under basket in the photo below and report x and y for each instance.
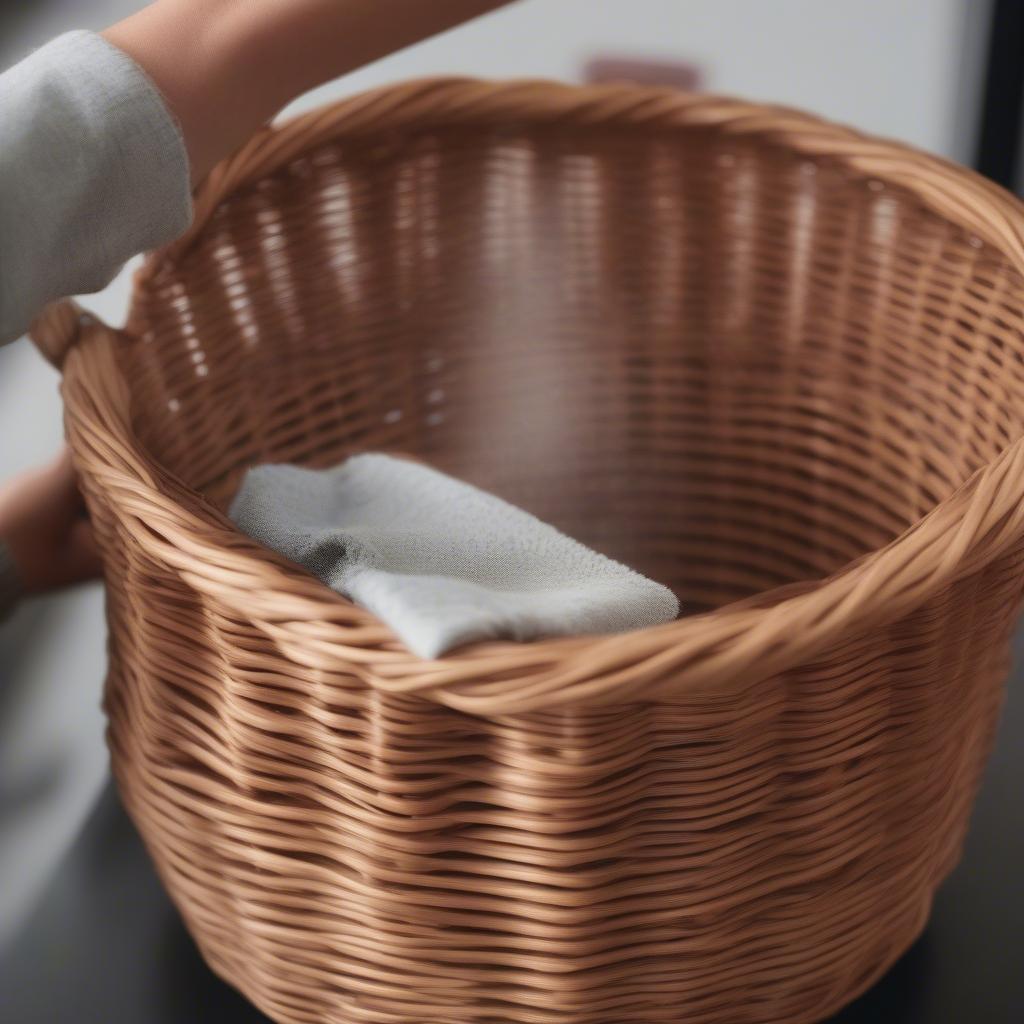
(770, 362)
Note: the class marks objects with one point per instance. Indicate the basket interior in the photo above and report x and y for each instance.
(726, 365)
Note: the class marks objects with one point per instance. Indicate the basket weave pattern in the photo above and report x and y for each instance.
(770, 362)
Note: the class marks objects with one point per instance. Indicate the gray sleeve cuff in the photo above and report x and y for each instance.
(93, 169)
(10, 588)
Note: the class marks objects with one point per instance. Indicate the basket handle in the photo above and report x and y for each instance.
(57, 328)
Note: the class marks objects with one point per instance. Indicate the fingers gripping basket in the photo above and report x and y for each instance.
(771, 362)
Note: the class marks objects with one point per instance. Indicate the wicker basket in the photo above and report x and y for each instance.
(768, 361)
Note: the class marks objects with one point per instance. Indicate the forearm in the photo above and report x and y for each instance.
(225, 67)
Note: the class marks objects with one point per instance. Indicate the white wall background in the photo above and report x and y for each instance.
(902, 68)
(892, 67)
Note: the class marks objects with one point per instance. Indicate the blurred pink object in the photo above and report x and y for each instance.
(678, 74)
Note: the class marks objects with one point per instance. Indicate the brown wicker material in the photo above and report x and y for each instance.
(770, 362)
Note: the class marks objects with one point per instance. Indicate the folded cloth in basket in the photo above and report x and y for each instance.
(441, 562)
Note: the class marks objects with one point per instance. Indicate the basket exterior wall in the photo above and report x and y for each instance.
(345, 856)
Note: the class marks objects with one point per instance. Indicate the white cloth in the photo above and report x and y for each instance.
(441, 562)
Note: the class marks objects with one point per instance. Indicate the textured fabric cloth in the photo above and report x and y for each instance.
(441, 562)
(93, 170)
(10, 587)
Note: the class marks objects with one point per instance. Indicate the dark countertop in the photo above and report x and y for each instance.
(106, 947)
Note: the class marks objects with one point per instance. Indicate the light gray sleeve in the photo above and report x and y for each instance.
(93, 170)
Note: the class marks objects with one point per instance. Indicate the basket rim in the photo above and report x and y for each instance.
(737, 644)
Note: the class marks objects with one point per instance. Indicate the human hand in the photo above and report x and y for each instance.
(225, 67)
(44, 525)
